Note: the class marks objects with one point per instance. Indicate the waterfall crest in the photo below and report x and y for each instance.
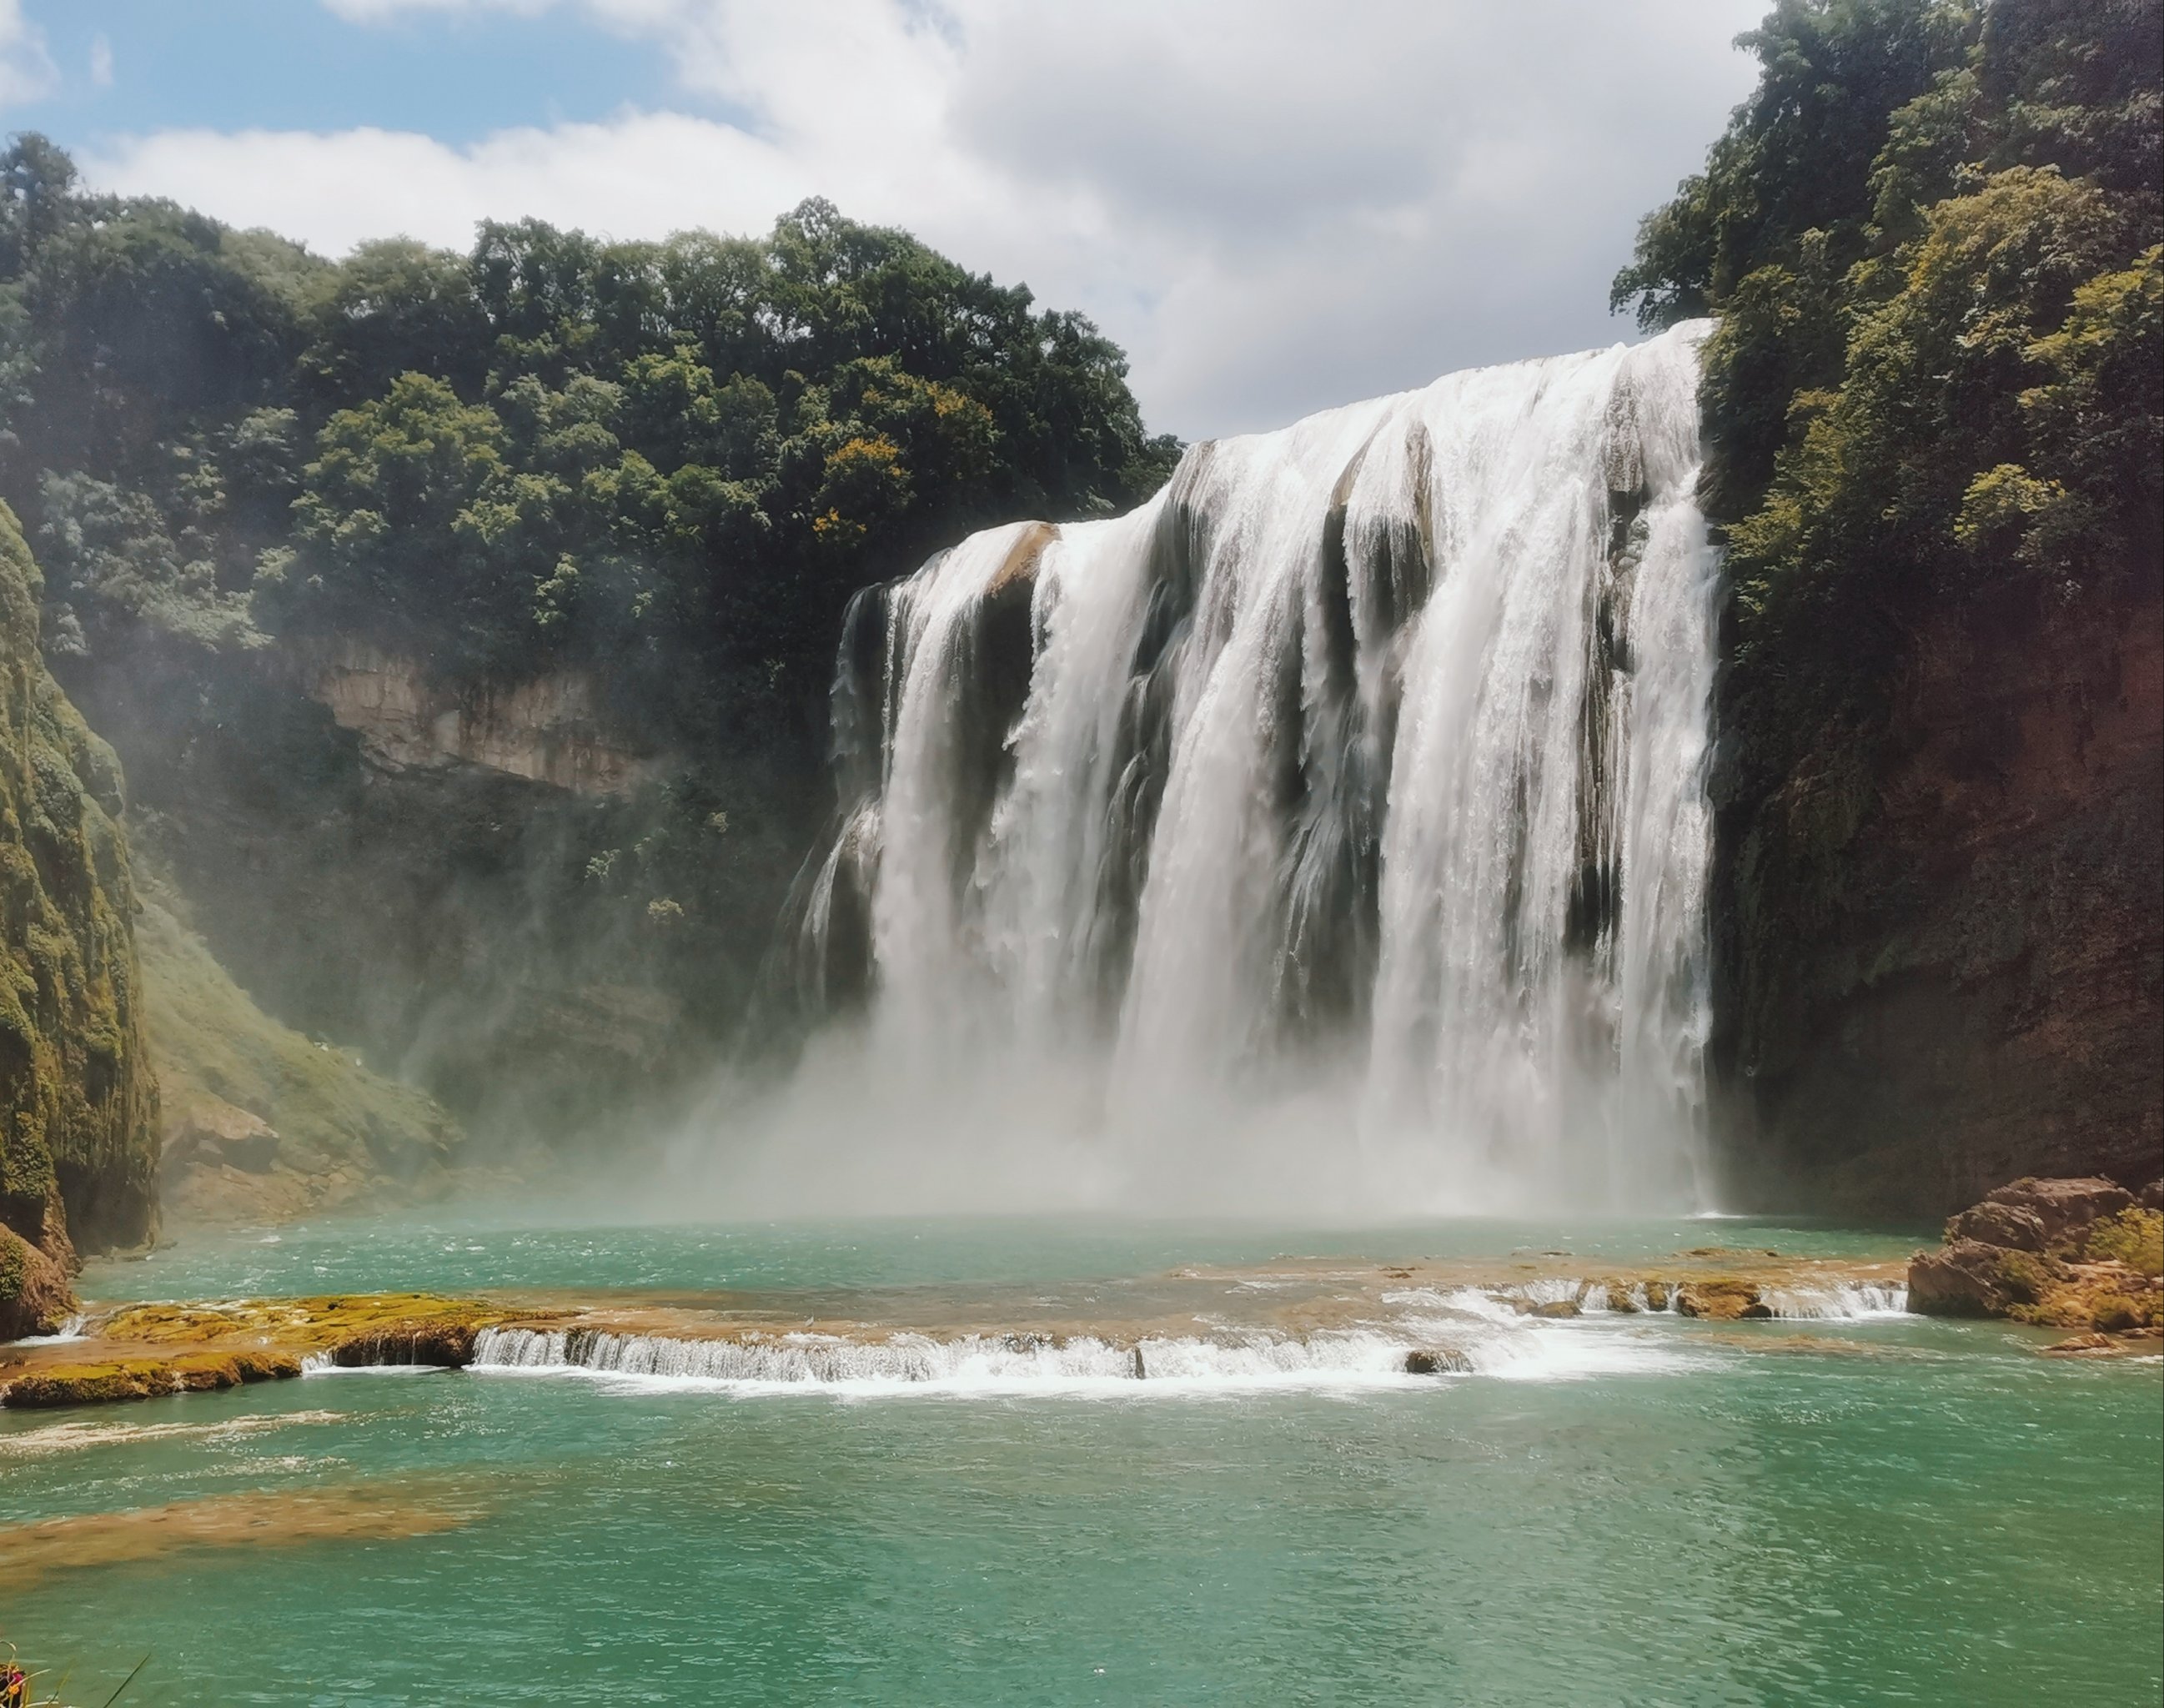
(1338, 816)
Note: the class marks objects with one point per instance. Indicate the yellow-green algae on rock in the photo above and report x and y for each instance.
(142, 1352)
(78, 1103)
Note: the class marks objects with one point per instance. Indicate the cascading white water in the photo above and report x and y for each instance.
(1345, 804)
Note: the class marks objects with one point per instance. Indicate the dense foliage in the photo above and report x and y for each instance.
(553, 449)
(663, 467)
(1931, 235)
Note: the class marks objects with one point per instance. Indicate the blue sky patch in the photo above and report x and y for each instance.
(289, 64)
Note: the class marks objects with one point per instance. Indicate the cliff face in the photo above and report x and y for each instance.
(547, 730)
(78, 1105)
(1941, 948)
(493, 895)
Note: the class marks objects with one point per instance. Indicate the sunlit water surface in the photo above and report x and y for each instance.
(1837, 1513)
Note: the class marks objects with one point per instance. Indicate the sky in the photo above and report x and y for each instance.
(1274, 206)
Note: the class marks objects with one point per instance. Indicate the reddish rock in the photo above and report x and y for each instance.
(1968, 1278)
(447, 1344)
(35, 1295)
(2086, 1346)
(2065, 1209)
(1721, 1300)
(2014, 1226)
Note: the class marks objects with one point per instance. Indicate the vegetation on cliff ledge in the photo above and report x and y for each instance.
(78, 1107)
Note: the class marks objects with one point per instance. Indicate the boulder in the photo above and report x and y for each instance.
(35, 1295)
(1721, 1300)
(1437, 1361)
(1968, 1278)
(2067, 1209)
(2086, 1346)
(204, 1129)
(2014, 1226)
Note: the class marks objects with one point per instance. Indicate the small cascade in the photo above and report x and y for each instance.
(1346, 802)
(908, 1360)
(1847, 1303)
(1468, 1333)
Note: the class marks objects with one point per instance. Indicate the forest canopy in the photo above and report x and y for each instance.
(1931, 238)
(553, 449)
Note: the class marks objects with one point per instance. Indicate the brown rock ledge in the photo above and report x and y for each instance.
(143, 1352)
(2080, 1254)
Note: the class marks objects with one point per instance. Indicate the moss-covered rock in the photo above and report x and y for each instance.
(1722, 1301)
(78, 1103)
(34, 1296)
(146, 1379)
(2101, 1271)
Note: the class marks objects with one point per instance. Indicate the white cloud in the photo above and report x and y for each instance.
(1274, 206)
(27, 71)
(101, 60)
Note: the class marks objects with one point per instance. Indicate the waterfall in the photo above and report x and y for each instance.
(1340, 813)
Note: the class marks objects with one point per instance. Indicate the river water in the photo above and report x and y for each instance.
(1653, 1511)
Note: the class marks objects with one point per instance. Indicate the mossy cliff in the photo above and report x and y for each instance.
(78, 1103)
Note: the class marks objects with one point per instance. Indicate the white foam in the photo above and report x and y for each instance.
(322, 1364)
(70, 1328)
(1844, 1302)
(1473, 1333)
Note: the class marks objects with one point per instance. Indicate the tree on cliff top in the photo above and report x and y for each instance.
(692, 451)
(663, 467)
(1931, 235)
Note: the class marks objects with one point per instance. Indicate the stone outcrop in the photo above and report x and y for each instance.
(2079, 1253)
(1940, 944)
(78, 1103)
(143, 1351)
(547, 730)
(2041, 1214)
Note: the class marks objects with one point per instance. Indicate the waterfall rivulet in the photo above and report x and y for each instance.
(1338, 816)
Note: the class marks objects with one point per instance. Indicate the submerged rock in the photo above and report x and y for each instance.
(1437, 1361)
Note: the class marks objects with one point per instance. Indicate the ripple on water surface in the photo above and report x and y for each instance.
(1830, 1511)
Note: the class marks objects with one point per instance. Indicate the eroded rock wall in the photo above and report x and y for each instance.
(78, 1103)
(1941, 948)
(547, 730)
